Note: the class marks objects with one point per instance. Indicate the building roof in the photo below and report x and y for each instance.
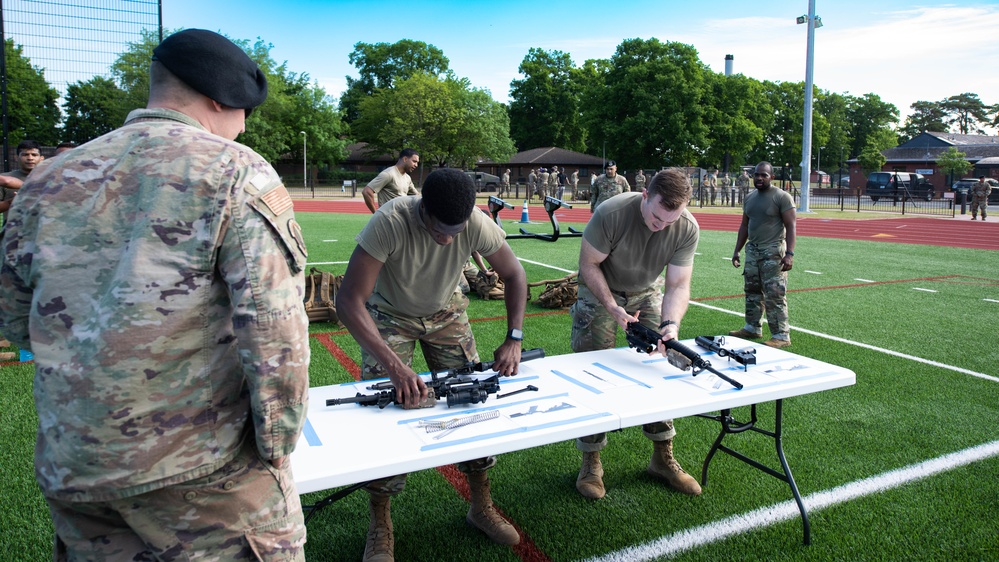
(555, 155)
(931, 139)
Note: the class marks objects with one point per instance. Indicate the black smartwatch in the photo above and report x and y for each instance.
(789, 253)
(515, 334)
(669, 323)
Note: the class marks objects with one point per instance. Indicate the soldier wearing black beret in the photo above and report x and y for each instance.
(193, 340)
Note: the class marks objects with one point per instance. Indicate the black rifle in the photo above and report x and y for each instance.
(455, 385)
(745, 356)
(646, 340)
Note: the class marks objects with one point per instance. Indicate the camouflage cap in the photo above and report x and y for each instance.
(214, 66)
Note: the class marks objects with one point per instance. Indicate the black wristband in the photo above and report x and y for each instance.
(667, 323)
(789, 253)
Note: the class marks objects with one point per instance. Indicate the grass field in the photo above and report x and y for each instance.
(902, 466)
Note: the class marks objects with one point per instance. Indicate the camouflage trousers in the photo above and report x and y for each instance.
(446, 341)
(246, 510)
(979, 202)
(593, 328)
(766, 290)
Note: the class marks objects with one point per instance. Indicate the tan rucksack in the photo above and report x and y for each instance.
(558, 293)
(320, 296)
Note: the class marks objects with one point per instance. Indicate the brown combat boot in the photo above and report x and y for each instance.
(665, 467)
(8, 356)
(4, 342)
(777, 344)
(380, 545)
(590, 482)
(483, 516)
(742, 333)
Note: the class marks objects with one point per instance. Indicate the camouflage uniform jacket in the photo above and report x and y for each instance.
(157, 277)
(604, 188)
(980, 191)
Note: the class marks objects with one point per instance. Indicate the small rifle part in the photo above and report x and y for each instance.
(455, 385)
(447, 426)
(646, 340)
(745, 356)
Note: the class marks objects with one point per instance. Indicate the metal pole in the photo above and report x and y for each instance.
(806, 144)
(305, 166)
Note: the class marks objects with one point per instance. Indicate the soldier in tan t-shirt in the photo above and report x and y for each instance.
(631, 238)
(393, 181)
(399, 289)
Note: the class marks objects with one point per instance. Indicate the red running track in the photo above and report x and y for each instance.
(957, 232)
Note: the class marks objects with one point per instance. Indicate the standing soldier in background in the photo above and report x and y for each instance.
(640, 180)
(504, 183)
(532, 180)
(980, 197)
(726, 185)
(172, 348)
(711, 183)
(553, 182)
(768, 218)
(542, 189)
(743, 182)
(574, 182)
(607, 185)
(393, 181)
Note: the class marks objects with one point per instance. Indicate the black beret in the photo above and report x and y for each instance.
(214, 66)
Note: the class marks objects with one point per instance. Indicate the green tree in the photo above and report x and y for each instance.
(954, 163)
(93, 108)
(870, 116)
(967, 112)
(646, 107)
(32, 104)
(445, 120)
(836, 148)
(731, 104)
(380, 65)
(925, 116)
(544, 105)
(783, 141)
(274, 129)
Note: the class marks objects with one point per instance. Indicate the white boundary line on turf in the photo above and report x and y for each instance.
(785, 511)
(868, 346)
(547, 265)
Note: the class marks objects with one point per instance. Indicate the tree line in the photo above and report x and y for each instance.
(651, 104)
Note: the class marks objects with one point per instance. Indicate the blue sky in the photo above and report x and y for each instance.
(900, 50)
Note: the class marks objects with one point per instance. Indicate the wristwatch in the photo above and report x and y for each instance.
(515, 334)
(669, 323)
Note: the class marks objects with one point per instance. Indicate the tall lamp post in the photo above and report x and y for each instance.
(818, 166)
(305, 166)
(806, 146)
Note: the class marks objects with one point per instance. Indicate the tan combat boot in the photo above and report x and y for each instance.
(8, 356)
(483, 516)
(590, 482)
(380, 545)
(4, 342)
(664, 466)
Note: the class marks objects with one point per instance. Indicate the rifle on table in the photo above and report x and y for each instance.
(745, 356)
(646, 340)
(455, 385)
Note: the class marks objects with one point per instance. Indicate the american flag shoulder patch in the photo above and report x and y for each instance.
(278, 200)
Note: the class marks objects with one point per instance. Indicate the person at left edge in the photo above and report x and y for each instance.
(157, 275)
(399, 289)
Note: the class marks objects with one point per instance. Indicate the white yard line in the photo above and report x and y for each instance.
(788, 510)
(548, 266)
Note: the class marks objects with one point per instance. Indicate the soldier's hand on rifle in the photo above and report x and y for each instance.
(409, 388)
(622, 316)
(506, 358)
(669, 332)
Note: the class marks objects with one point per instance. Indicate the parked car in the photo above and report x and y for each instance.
(898, 186)
(484, 181)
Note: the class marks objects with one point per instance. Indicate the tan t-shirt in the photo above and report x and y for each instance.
(764, 209)
(392, 183)
(419, 276)
(636, 254)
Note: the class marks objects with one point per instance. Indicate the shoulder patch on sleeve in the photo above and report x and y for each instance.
(278, 200)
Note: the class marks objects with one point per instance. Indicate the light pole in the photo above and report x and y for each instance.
(806, 145)
(305, 166)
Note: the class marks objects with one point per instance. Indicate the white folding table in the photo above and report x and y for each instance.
(578, 394)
